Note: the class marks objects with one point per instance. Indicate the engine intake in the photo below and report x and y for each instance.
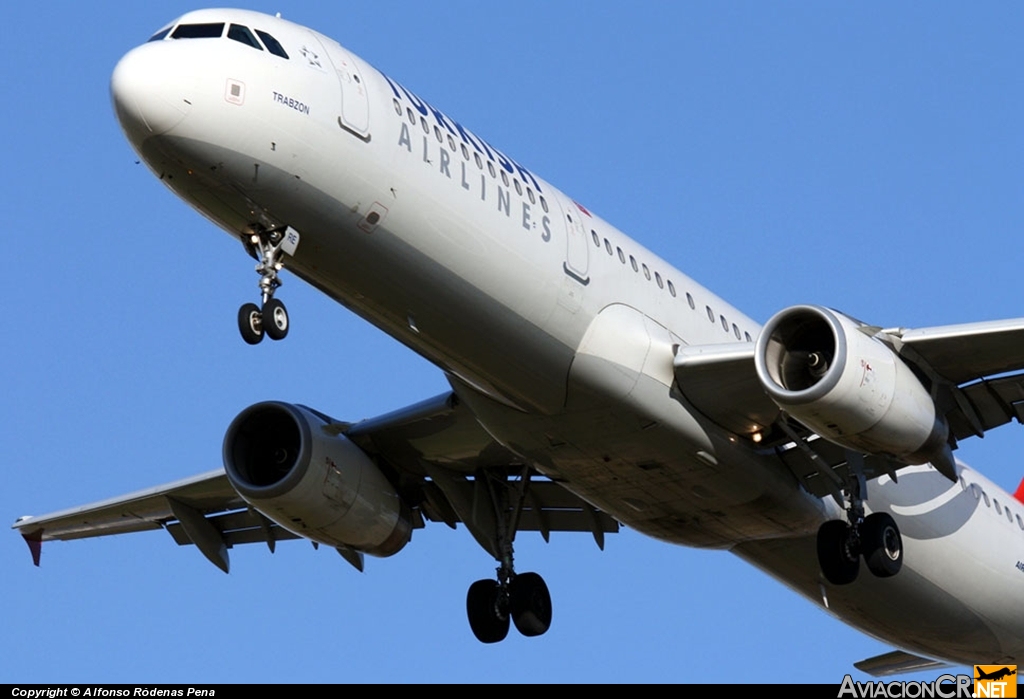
(833, 375)
(285, 463)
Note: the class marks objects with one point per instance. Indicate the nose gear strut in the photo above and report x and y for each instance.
(268, 246)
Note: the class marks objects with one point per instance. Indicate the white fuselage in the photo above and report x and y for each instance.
(558, 330)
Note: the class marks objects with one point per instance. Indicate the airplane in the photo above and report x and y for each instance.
(994, 675)
(594, 340)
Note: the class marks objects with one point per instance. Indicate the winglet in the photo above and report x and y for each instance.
(1020, 491)
(35, 544)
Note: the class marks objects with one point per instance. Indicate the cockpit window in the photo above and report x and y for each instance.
(160, 34)
(198, 31)
(272, 44)
(242, 34)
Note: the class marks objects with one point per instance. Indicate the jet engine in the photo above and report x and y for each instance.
(835, 377)
(285, 461)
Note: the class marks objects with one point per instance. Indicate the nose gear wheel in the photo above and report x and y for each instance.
(271, 318)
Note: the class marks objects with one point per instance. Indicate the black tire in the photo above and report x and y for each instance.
(250, 323)
(530, 604)
(275, 319)
(882, 545)
(838, 563)
(488, 620)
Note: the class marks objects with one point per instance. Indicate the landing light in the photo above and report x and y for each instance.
(757, 437)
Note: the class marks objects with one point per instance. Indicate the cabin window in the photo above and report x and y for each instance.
(689, 300)
(671, 288)
(647, 272)
(622, 255)
(608, 246)
(437, 135)
(1020, 522)
(465, 151)
(272, 44)
(504, 178)
(412, 117)
(544, 204)
(1009, 515)
(529, 193)
(711, 314)
(424, 125)
(593, 234)
(632, 261)
(244, 36)
(519, 187)
(451, 143)
(657, 278)
(199, 31)
(736, 332)
(725, 323)
(490, 169)
(398, 107)
(999, 510)
(159, 36)
(746, 336)
(479, 162)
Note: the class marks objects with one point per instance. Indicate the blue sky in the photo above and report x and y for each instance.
(862, 156)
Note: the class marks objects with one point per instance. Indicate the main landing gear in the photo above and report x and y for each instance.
(270, 319)
(875, 537)
(523, 599)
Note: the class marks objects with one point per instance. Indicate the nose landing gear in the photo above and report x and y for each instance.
(271, 319)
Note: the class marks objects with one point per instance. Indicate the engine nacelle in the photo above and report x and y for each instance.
(317, 484)
(850, 387)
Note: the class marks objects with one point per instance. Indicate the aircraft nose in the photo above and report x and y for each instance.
(148, 91)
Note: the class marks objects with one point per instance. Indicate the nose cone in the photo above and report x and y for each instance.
(149, 92)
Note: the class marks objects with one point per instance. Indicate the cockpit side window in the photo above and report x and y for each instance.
(199, 31)
(272, 44)
(243, 35)
(160, 34)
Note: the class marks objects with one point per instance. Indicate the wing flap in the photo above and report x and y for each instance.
(995, 402)
(239, 527)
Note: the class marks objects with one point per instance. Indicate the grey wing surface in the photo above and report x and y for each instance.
(975, 371)
(437, 454)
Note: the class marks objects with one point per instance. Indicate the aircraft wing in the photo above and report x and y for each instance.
(962, 353)
(969, 366)
(897, 662)
(438, 453)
